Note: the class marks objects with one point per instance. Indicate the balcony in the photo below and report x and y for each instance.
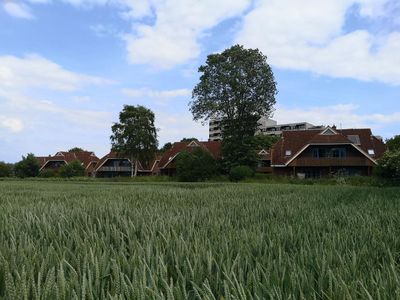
(331, 162)
(115, 169)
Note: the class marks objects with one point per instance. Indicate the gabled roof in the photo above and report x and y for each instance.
(298, 141)
(214, 147)
(153, 165)
(85, 157)
(264, 154)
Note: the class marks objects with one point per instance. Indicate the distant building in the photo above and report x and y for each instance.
(114, 165)
(266, 126)
(331, 151)
(53, 162)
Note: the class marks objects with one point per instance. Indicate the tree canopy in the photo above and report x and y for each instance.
(27, 167)
(393, 143)
(238, 87)
(197, 165)
(5, 169)
(263, 141)
(75, 149)
(135, 136)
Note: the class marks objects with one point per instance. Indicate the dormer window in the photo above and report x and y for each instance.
(371, 152)
(328, 131)
(193, 144)
(288, 152)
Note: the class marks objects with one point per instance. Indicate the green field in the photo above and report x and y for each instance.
(71, 240)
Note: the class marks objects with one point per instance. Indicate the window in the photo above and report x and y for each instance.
(371, 151)
(355, 139)
(320, 153)
(288, 152)
(338, 152)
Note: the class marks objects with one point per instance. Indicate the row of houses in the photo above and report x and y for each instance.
(303, 153)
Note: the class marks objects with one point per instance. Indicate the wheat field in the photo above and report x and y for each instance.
(99, 240)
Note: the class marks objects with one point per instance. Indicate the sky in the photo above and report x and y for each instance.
(68, 67)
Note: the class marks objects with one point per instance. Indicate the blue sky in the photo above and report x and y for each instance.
(68, 67)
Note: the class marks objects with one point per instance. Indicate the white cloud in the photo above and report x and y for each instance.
(18, 10)
(15, 125)
(341, 115)
(309, 36)
(22, 79)
(145, 92)
(175, 126)
(173, 39)
(36, 71)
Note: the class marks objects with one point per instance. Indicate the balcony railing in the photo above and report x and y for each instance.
(114, 169)
(331, 162)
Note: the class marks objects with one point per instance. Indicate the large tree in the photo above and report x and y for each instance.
(135, 136)
(238, 87)
(27, 167)
(393, 143)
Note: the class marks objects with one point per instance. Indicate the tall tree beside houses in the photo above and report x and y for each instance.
(135, 136)
(238, 87)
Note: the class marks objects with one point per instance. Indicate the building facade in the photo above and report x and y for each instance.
(319, 153)
(266, 126)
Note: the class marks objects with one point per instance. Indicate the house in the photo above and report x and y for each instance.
(316, 153)
(167, 164)
(264, 161)
(114, 165)
(87, 158)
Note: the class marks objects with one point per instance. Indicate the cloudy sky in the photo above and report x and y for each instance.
(67, 67)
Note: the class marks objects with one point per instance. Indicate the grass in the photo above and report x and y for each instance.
(103, 240)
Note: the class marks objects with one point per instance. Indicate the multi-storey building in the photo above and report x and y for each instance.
(266, 126)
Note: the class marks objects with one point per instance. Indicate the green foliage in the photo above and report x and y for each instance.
(197, 165)
(389, 165)
(48, 173)
(135, 136)
(189, 139)
(75, 149)
(239, 173)
(27, 167)
(263, 141)
(102, 240)
(5, 169)
(166, 147)
(393, 143)
(73, 169)
(238, 87)
(235, 153)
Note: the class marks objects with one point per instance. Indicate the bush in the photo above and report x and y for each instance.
(5, 169)
(27, 167)
(73, 169)
(196, 166)
(389, 166)
(239, 173)
(48, 173)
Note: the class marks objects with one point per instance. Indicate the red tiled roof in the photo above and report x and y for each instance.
(85, 157)
(295, 141)
(214, 147)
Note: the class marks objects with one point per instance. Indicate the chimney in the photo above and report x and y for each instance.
(334, 127)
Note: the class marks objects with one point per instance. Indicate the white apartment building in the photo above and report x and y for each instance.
(266, 126)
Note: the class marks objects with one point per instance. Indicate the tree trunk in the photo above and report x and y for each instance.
(132, 167)
(136, 167)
